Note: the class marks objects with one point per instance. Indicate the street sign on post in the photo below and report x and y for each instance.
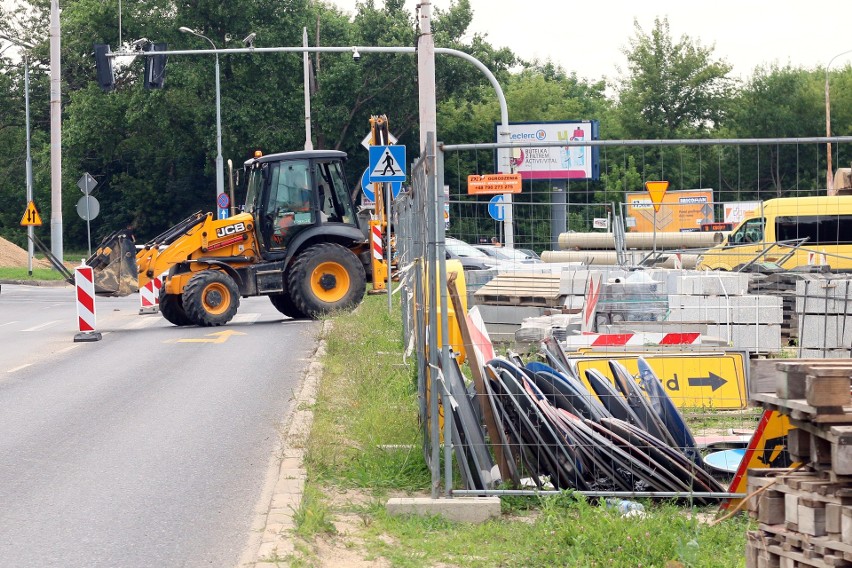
(496, 209)
(367, 187)
(656, 190)
(87, 183)
(31, 217)
(387, 163)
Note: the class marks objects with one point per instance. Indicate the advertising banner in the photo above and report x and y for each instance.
(683, 210)
(554, 162)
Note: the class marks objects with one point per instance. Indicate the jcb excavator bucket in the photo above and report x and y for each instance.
(114, 266)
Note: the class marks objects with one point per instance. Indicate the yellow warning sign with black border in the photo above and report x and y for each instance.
(31, 217)
(716, 380)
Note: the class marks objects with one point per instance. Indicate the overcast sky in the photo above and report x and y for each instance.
(587, 37)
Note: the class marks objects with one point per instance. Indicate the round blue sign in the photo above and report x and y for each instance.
(222, 200)
(496, 209)
(367, 187)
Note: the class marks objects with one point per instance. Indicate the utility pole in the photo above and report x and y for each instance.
(55, 136)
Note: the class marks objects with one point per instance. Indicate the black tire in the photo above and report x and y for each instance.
(284, 304)
(171, 308)
(325, 278)
(211, 298)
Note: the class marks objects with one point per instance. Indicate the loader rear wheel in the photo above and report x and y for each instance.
(171, 308)
(284, 304)
(211, 298)
(325, 278)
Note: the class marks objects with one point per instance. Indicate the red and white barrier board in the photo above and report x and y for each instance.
(84, 284)
(149, 295)
(599, 340)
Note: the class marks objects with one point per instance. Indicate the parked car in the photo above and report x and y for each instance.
(524, 256)
(471, 258)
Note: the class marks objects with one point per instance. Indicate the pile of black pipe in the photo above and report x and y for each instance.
(555, 433)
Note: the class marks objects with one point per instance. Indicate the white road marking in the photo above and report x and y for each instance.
(42, 326)
(250, 317)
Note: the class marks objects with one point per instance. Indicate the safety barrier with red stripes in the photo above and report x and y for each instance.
(84, 284)
(378, 252)
(149, 295)
(593, 340)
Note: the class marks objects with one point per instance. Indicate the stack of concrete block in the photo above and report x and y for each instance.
(825, 323)
(805, 515)
(748, 322)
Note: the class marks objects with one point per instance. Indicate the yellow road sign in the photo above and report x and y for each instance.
(692, 380)
(656, 189)
(31, 216)
(767, 449)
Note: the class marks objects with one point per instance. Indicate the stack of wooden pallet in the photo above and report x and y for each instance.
(805, 514)
(522, 289)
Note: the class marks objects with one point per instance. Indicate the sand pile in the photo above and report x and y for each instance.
(13, 256)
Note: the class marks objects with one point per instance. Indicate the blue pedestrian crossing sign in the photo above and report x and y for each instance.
(387, 163)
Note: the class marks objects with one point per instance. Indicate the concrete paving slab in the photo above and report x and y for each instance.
(460, 509)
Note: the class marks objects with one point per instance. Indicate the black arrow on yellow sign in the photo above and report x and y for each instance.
(713, 380)
(31, 216)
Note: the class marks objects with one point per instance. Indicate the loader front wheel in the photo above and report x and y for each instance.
(171, 308)
(324, 278)
(211, 298)
(284, 304)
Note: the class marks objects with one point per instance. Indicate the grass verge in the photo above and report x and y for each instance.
(23, 274)
(365, 446)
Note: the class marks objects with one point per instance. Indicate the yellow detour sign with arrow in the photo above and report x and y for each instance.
(692, 380)
(31, 216)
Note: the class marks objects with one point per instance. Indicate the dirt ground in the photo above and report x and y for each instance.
(13, 256)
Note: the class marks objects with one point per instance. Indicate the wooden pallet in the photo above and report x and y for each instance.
(515, 289)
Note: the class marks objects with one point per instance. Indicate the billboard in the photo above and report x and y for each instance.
(680, 211)
(736, 211)
(554, 162)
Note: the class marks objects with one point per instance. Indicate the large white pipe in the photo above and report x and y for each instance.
(641, 241)
(608, 258)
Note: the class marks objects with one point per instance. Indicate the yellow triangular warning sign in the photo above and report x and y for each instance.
(656, 190)
(31, 216)
(387, 166)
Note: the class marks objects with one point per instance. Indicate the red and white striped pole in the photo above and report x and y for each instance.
(84, 284)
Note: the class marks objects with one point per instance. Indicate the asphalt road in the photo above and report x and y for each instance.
(148, 448)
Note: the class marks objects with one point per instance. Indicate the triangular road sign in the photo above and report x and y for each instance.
(31, 216)
(656, 190)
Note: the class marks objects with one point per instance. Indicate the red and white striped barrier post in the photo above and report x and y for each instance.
(149, 295)
(84, 284)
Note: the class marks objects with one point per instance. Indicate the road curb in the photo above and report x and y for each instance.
(276, 541)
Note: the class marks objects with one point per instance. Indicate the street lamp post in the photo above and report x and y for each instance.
(220, 171)
(29, 162)
(829, 177)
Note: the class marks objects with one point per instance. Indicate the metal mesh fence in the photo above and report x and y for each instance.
(627, 368)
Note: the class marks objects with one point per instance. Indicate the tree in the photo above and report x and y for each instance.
(672, 89)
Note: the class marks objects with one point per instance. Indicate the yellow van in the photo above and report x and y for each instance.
(790, 232)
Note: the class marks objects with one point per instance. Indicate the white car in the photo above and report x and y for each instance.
(524, 256)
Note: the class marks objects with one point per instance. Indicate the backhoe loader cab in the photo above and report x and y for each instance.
(297, 240)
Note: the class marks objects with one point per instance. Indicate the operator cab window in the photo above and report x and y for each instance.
(334, 204)
(289, 203)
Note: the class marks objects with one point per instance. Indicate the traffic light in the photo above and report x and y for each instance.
(103, 65)
(155, 66)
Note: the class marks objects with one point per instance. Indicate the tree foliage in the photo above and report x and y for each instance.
(153, 152)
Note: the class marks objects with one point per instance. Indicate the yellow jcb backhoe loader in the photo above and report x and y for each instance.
(297, 240)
